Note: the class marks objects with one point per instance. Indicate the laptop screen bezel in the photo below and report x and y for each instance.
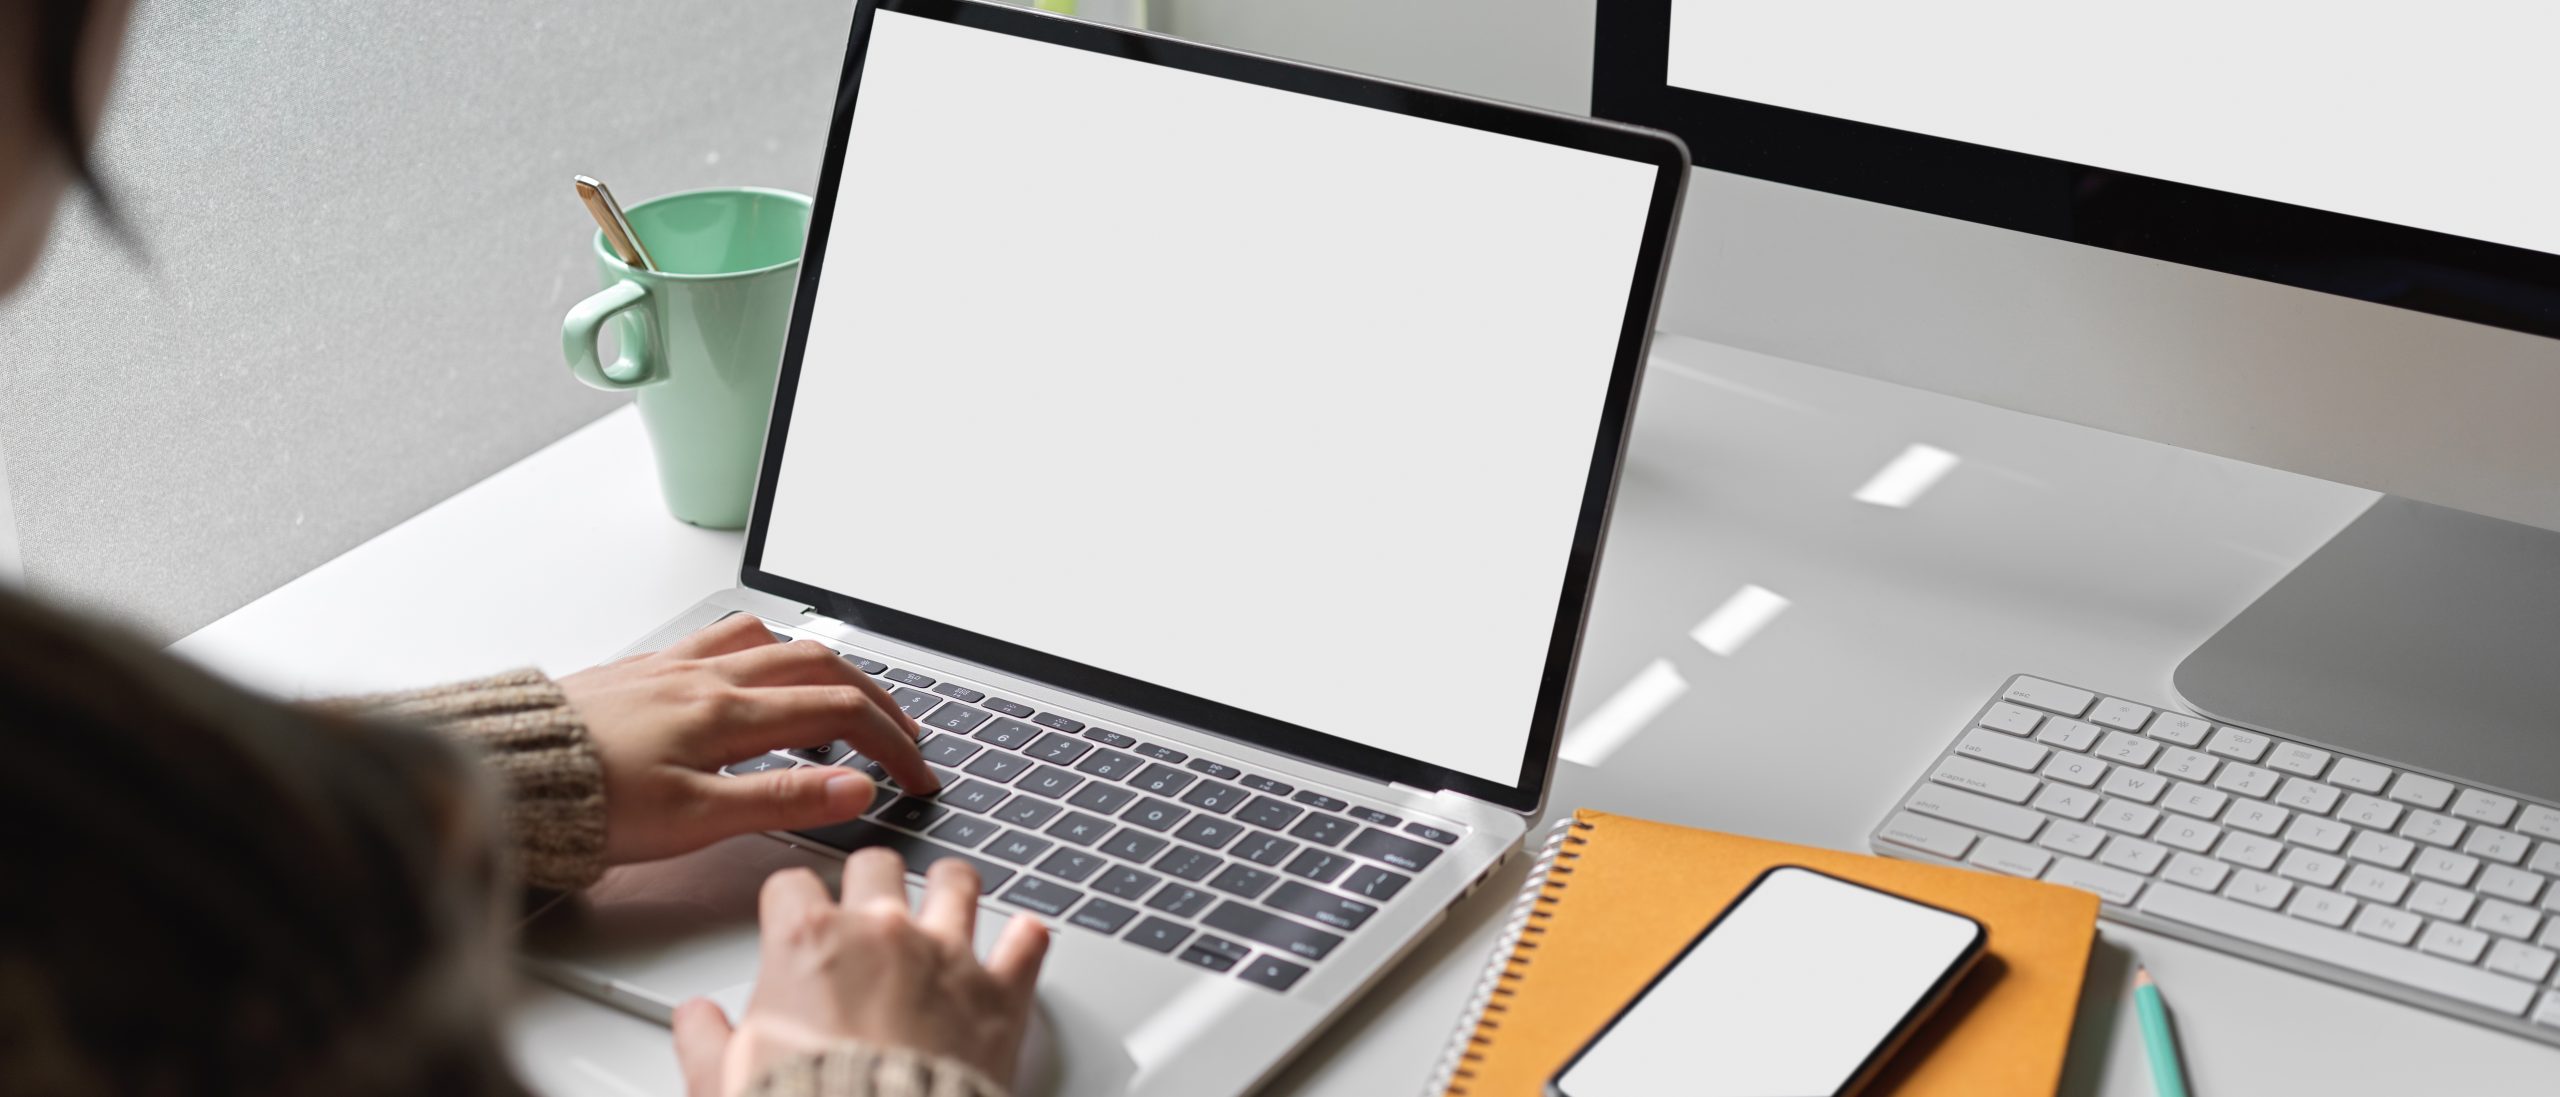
(1527, 791)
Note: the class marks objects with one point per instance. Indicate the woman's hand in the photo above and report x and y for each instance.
(665, 722)
(866, 970)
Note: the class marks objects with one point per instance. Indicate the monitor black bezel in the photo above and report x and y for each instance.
(2499, 285)
(1526, 793)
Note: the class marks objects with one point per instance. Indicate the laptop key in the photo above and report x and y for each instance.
(1317, 799)
(1103, 916)
(1318, 865)
(1097, 796)
(1370, 881)
(1019, 848)
(878, 773)
(908, 677)
(1244, 881)
(1373, 815)
(950, 750)
(1265, 849)
(958, 692)
(1072, 865)
(957, 718)
(1163, 780)
(1108, 737)
(1134, 845)
(1214, 953)
(1079, 828)
(1008, 733)
(1208, 831)
(1053, 720)
(914, 702)
(1110, 765)
(1301, 941)
(1023, 811)
(1324, 830)
(1271, 971)
(977, 796)
(1160, 752)
(1049, 781)
(1213, 769)
(1332, 911)
(1430, 833)
(964, 831)
(1053, 747)
(1000, 767)
(1260, 783)
(918, 853)
(1158, 934)
(1154, 814)
(1041, 895)
(1181, 901)
(1269, 813)
(1214, 796)
(1186, 863)
(912, 813)
(866, 666)
(825, 755)
(1123, 882)
(762, 763)
(1403, 853)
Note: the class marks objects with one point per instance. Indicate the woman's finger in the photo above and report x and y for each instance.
(790, 898)
(1015, 961)
(950, 902)
(806, 663)
(874, 875)
(785, 799)
(782, 717)
(702, 1044)
(736, 632)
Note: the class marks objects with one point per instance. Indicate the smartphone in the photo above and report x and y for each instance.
(1802, 988)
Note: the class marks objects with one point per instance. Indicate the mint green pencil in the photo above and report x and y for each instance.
(2166, 1075)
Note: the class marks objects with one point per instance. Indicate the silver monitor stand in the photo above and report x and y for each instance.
(2419, 634)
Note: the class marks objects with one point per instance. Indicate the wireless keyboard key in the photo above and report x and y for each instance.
(1043, 896)
(1278, 974)
(2049, 696)
(918, 853)
(1300, 941)
(1103, 916)
(1374, 883)
(2375, 959)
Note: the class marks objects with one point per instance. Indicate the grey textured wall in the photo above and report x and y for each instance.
(361, 240)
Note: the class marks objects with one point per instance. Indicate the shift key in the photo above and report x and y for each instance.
(1304, 942)
(1978, 812)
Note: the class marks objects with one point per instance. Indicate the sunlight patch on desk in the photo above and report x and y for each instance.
(1903, 480)
(1736, 387)
(1626, 712)
(1740, 618)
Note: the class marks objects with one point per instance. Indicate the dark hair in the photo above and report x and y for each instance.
(59, 26)
(212, 893)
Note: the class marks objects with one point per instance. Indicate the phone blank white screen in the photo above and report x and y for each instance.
(2435, 115)
(1280, 402)
(1784, 998)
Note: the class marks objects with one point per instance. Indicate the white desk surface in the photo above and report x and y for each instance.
(2090, 558)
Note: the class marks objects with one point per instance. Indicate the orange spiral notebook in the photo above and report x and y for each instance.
(1612, 899)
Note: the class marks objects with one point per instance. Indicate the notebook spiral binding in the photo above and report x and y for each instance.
(1555, 861)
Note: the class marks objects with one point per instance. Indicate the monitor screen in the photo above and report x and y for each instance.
(2435, 116)
(1280, 402)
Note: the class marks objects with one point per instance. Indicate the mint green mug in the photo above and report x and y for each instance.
(701, 336)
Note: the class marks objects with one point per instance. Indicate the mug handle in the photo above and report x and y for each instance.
(638, 364)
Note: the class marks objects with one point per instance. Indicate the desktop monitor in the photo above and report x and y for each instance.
(2317, 237)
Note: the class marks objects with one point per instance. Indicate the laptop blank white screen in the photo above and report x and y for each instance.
(1280, 402)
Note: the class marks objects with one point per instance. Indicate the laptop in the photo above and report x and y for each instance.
(1212, 454)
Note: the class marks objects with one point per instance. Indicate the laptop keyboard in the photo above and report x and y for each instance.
(1200, 860)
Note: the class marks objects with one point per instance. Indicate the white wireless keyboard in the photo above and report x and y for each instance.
(2411, 885)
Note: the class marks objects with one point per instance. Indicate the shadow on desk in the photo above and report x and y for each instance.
(2108, 987)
